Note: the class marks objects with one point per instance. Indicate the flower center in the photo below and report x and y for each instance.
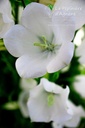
(45, 44)
(50, 99)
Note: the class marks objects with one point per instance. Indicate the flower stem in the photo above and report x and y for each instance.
(2, 47)
(23, 3)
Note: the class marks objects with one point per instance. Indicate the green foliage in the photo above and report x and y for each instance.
(50, 6)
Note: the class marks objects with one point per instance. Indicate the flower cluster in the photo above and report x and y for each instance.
(43, 42)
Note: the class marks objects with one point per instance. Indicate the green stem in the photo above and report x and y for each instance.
(2, 48)
(15, 11)
(23, 3)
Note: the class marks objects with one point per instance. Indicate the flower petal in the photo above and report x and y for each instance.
(80, 52)
(37, 106)
(5, 17)
(55, 125)
(5, 7)
(50, 87)
(63, 26)
(37, 18)
(18, 41)
(5, 24)
(78, 113)
(22, 101)
(62, 59)
(79, 85)
(63, 113)
(76, 7)
(27, 84)
(32, 66)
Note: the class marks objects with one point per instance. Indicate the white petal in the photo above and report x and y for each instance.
(5, 7)
(78, 37)
(18, 41)
(27, 84)
(37, 18)
(5, 17)
(32, 66)
(39, 110)
(78, 113)
(5, 24)
(63, 26)
(79, 85)
(50, 87)
(55, 125)
(76, 8)
(22, 101)
(37, 106)
(63, 111)
(82, 60)
(80, 52)
(62, 58)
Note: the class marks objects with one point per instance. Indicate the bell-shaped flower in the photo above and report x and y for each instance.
(80, 52)
(26, 85)
(48, 102)
(79, 85)
(42, 41)
(73, 7)
(78, 113)
(5, 17)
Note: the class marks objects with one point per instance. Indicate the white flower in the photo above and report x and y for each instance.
(26, 85)
(5, 17)
(41, 41)
(48, 102)
(79, 37)
(80, 52)
(78, 113)
(74, 7)
(79, 85)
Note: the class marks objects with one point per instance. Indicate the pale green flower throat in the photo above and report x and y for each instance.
(45, 44)
(50, 99)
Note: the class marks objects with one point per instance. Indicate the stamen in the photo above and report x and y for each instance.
(44, 39)
(45, 45)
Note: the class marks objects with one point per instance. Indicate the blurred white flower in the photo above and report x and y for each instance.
(42, 41)
(26, 85)
(79, 85)
(79, 37)
(48, 102)
(78, 113)
(73, 7)
(5, 17)
(80, 52)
